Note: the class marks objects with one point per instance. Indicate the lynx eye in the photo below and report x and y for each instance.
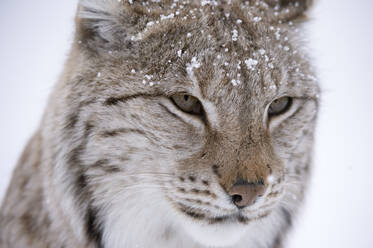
(280, 106)
(188, 104)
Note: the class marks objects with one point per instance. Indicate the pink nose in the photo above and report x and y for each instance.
(245, 194)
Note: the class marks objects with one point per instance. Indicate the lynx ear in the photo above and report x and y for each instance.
(286, 10)
(99, 19)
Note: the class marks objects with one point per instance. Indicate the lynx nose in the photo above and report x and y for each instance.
(244, 194)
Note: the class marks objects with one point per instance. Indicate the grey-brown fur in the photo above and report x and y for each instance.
(116, 164)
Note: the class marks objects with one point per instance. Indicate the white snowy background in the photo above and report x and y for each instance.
(35, 38)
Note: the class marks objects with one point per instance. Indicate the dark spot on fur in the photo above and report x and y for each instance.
(205, 182)
(181, 179)
(196, 191)
(194, 215)
(277, 243)
(135, 117)
(287, 216)
(121, 131)
(112, 101)
(197, 201)
(192, 178)
(73, 116)
(273, 194)
(93, 227)
(259, 182)
(104, 165)
(72, 119)
(207, 192)
(182, 190)
(243, 219)
(88, 128)
(269, 169)
(217, 219)
(81, 181)
(215, 169)
(28, 222)
(129, 44)
(177, 147)
(24, 182)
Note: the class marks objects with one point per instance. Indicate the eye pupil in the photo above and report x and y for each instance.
(279, 106)
(188, 104)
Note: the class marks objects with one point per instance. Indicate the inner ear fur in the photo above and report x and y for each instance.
(105, 22)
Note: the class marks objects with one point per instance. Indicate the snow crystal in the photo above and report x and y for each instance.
(133, 71)
(170, 16)
(149, 24)
(189, 35)
(149, 77)
(239, 65)
(194, 64)
(286, 48)
(251, 63)
(270, 179)
(234, 35)
(179, 53)
(239, 21)
(99, 74)
(262, 51)
(277, 34)
(273, 87)
(235, 82)
(257, 19)
(209, 2)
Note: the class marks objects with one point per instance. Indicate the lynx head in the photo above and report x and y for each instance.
(197, 115)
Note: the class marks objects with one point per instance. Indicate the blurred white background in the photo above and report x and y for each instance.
(35, 39)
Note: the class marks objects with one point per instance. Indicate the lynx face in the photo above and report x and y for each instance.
(184, 115)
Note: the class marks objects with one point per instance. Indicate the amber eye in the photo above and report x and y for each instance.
(280, 106)
(188, 104)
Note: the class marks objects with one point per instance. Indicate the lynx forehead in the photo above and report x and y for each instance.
(175, 124)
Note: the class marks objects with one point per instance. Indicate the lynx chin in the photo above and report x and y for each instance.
(175, 124)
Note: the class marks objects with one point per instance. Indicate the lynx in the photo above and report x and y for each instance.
(183, 124)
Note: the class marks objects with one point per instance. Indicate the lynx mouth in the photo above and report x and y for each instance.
(237, 217)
